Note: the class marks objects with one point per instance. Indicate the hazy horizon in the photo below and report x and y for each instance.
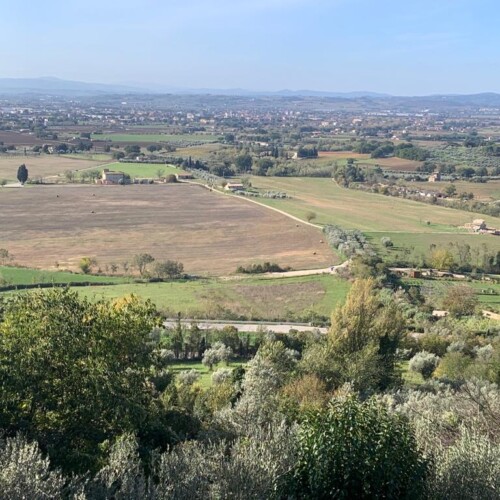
(446, 47)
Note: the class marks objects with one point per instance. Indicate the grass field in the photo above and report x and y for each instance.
(487, 293)
(43, 165)
(205, 379)
(419, 243)
(209, 233)
(365, 211)
(27, 276)
(154, 138)
(251, 298)
(143, 169)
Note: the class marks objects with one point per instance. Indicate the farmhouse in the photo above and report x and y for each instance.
(234, 186)
(435, 177)
(111, 177)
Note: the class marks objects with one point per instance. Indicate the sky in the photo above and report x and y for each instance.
(402, 48)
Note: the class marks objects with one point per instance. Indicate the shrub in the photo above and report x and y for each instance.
(357, 449)
(424, 363)
(188, 377)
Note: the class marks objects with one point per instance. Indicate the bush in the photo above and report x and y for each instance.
(188, 377)
(267, 267)
(424, 363)
(468, 469)
(357, 449)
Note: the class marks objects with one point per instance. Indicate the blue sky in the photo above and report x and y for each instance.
(404, 48)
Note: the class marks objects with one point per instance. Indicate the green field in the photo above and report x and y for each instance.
(144, 169)
(155, 138)
(487, 293)
(360, 210)
(419, 243)
(27, 276)
(205, 380)
(252, 298)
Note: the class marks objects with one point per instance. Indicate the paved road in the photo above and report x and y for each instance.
(249, 327)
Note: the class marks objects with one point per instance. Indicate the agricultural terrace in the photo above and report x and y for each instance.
(271, 299)
(144, 169)
(155, 138)
(44, 165)
(209, 233)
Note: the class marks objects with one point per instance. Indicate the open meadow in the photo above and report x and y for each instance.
(44, 165)
(276, 299)
(209, 233)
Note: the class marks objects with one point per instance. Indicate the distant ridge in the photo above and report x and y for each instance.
(51, 86)
(56, 86)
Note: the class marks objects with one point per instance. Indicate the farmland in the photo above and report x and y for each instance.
(252, 298)
(143, 169)
(43, 165)
(365, 211)
(154, 138)
(209, 233)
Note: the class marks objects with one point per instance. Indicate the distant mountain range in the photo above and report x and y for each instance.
(58, 87)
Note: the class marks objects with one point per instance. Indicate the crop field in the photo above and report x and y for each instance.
(19, 139)
(154, 138)
(209, 233)
(250, 298)
(43, 165)
(393, 163)
(144, 169)
(365, 211)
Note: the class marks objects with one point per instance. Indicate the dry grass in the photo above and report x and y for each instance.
(210, 233)
(394, 164)
(43, 165)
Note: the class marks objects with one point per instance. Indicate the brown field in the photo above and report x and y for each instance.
(21, 139)
(394, 164)
(43, 165)
(208, 232)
